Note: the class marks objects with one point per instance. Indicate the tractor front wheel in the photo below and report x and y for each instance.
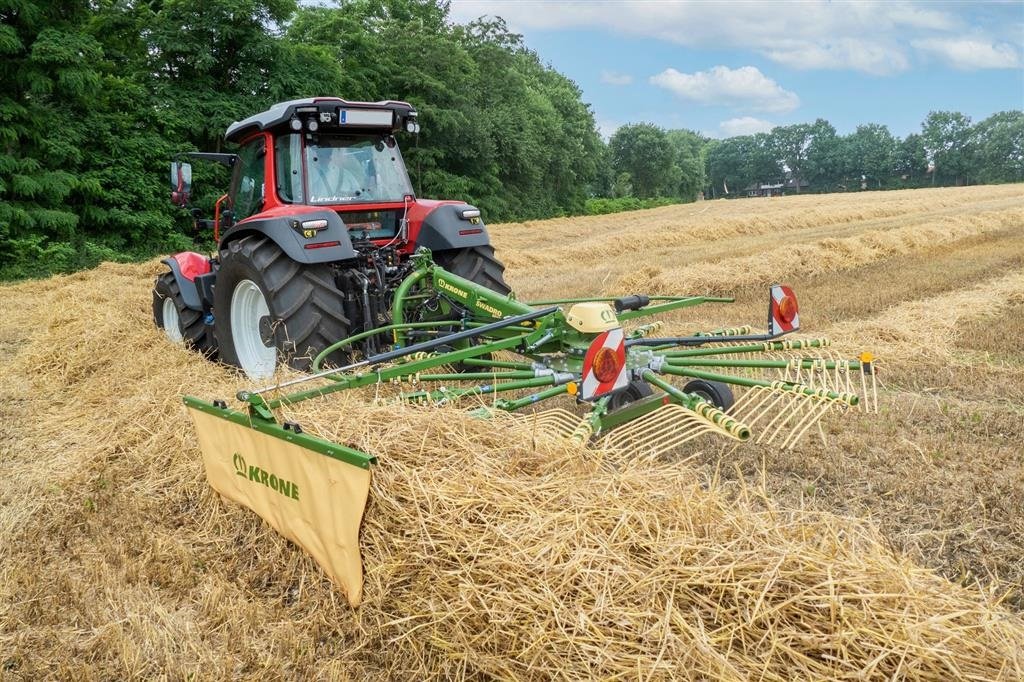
(181, 324)
(271, 309)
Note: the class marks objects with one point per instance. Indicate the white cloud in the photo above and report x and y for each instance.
(969, 54)
(872, 36)
(616, 78)
(745, 125)
(742, 88)
(867, 56)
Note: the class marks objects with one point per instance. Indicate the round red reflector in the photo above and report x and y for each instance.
(606, 365)
(787, 308)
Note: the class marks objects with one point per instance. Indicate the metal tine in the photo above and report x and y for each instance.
(556, 421)
(662, 430)
(814, 416)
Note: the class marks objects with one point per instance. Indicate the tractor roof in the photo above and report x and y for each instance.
(339, 112)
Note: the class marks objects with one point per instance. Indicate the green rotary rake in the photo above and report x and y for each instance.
(452, 341)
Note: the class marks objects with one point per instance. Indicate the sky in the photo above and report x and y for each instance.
(734, 68)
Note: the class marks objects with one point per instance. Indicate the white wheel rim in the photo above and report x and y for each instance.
(172, 325)
(248, 307)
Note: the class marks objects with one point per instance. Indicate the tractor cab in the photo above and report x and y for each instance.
(322, 152)
(314, 234)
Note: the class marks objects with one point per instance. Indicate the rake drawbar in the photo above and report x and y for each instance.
(453, 340)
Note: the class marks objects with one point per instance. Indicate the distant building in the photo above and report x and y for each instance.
(775, 189)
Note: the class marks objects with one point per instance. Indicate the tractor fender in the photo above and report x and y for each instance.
(186, 266)
(444, 228)
(301, 244)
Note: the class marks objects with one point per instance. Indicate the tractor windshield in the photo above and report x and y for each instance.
(341, 169)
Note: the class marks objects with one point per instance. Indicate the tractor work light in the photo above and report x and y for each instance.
(312, 126)
(469, 213)
(295, 124)
(320, 224)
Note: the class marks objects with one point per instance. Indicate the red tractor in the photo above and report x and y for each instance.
(313, 236)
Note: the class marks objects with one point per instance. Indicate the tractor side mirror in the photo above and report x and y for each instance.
(181, 183)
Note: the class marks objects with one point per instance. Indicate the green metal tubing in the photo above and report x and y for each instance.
(512, 405)
(700, 406)
(595, 416)
(848, 398)
(672, 305)
(348, 340)
(484, 389)
(401, 295)
(607, 299)
(762, 364)
(635, 410)
(344, 382)
(795, 344)
(304, 440)
(477, 376)
(480, 362)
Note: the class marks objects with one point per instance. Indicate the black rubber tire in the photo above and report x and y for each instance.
(477, 264)
(305, 306)
(636, 390)
(196, 335)
(715, 392)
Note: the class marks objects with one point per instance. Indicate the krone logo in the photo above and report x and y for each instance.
(607, 315)
(239, 463)
(451, 288)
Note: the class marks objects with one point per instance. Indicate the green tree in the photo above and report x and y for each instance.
(999, 148)
(643, 151)
(872, 152)
(791, 144)
(947, 137)
(687, 147)
(738, 162)
(48, 76)
(911, 159)
(825, 166)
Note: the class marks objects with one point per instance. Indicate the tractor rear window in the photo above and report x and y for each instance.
(354, 170)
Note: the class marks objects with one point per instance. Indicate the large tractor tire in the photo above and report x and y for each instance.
(180, 323)
(270, 309)
(477, 264)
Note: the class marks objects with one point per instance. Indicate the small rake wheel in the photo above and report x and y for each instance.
(715, 392)
(636, 390)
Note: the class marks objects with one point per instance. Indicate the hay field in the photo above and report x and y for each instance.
(893, 551)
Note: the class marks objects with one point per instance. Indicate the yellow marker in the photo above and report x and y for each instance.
(571, 388)
(866, 358)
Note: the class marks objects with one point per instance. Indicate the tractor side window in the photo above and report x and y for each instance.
(250, 179)
(288, 159)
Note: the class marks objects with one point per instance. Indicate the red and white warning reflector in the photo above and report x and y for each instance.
(604, 367)
(783, 311)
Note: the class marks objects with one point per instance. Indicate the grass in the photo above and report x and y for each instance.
(892, 551)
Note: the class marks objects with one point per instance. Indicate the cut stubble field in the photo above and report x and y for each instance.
(887, 546)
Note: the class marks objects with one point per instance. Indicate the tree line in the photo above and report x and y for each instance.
(96, 96)
(813, 157)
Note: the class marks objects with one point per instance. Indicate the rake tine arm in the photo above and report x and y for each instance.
(700, 406)
(848, 398)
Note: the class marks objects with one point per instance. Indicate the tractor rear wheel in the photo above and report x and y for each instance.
(180, 323)
(271, 309)
(477, 264)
